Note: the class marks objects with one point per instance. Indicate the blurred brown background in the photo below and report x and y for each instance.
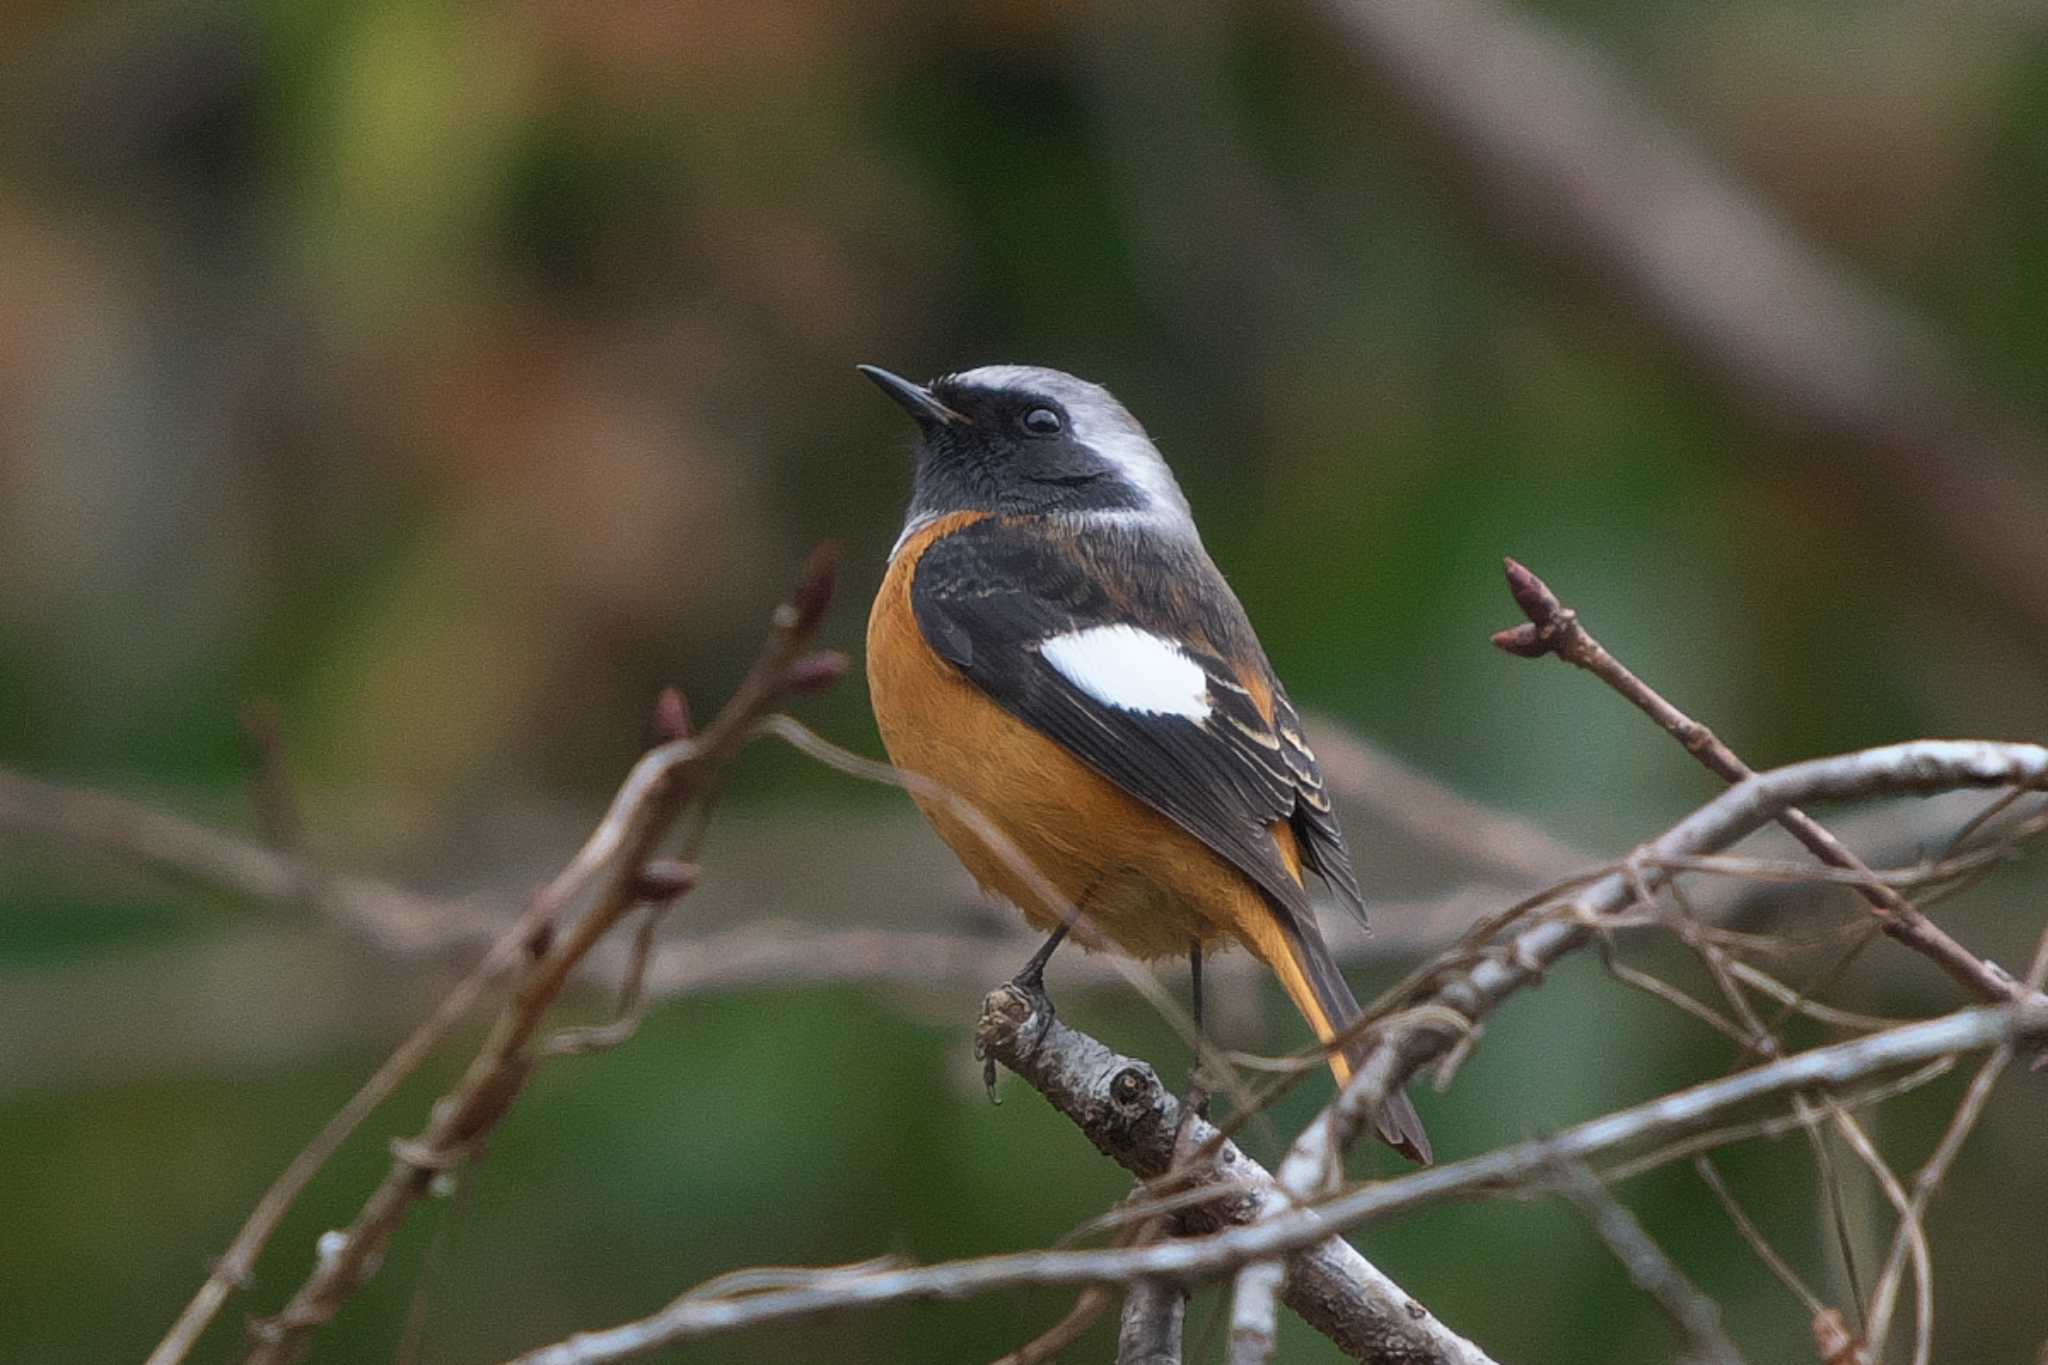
(454, 375)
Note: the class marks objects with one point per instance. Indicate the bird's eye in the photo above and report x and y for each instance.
(1042, 422)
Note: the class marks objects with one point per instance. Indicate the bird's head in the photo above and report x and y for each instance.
(1020, 440)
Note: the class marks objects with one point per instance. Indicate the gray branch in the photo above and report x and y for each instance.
(1123, 1109)
(1150, 1330)
(1920, 767)
(1417, 1037)
(1119, 1103)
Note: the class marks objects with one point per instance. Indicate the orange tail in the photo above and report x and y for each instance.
(1318, 989)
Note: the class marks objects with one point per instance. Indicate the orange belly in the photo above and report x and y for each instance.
(1144, 884)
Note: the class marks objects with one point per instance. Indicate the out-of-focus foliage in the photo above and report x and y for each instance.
(454, 375)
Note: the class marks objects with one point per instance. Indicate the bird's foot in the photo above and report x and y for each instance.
(1030, 983)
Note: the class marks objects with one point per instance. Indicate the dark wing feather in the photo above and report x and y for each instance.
(988, 595)
(1315, 821)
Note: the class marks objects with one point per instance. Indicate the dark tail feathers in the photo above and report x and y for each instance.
(1397, 1123)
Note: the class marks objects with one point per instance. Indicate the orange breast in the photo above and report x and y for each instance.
(1144, 884)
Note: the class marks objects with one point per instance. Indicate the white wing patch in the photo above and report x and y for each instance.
(1130, 669)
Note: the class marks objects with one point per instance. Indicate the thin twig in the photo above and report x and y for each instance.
(1693, 1316)
(1091, 1304)
(1469, 995)
(1758, 1243)
(1757, 979)
(1660, 989)
(613, 861)
(1831, 1193)
(1935, 1169)
(394, 919)
(1786, 872)
(1758, 1040)
(1095, 1300)
(661, 887)
(1777, 1125)
(1553, 628)
(1921, 1255)
(233, 1269)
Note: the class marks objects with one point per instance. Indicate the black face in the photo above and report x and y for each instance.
(1004, 451)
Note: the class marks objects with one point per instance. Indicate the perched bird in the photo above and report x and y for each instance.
(1053, 646)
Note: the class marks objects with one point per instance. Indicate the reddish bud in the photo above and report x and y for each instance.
(1531, 593)
(1524, 641)
(814, 594)
(816, 671)
(671, 716)
(664, 879)
(539, 939)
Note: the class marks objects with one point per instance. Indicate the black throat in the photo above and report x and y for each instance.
(967, 478)
(990, 461)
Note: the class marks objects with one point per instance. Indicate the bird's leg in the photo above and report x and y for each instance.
(1198, 1097)
(1031, 981)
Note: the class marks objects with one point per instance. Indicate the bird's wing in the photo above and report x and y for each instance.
(1136, 657)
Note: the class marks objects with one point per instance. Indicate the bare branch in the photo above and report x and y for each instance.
(612, 869)
(394, 919)
(1758, 1243)
(1918, 767)
(233, 1269)
(1931, 1174)
(1047, 1345)
(109, 1021)
(1693, 1316)
(1909, 1222)
(1776, 1125)
(1412, 1040)
(1120, 1105)
(1145, 1316)
(1125, 1109)
(1150, 1330)
(1555, 629)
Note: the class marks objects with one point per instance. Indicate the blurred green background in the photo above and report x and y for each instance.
(454, 375)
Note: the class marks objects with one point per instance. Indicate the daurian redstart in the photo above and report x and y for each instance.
(1053, 647)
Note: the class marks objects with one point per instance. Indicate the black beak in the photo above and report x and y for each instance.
(915, 399)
